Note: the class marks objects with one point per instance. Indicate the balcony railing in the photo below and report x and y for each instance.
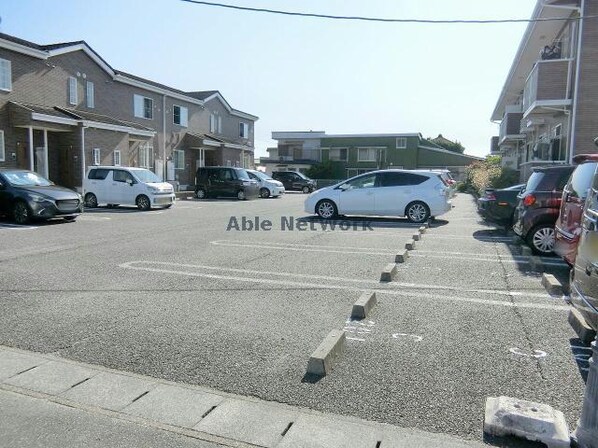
(547, 85)
(510, 127)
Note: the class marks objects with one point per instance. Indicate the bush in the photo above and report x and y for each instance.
(489, 173)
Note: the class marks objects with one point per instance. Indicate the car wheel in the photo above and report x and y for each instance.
(306, 190)
(91, 201)
(326, 209)
(241, 195)
(264, 193)
(143, 203)
(20, 213)
(200, 193)
(541, 239)
(417, 212)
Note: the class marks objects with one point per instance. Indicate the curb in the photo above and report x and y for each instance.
(410, 245)
(402, 256)
(552, 285)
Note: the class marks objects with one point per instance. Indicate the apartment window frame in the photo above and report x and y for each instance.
(183, 115)
(145, 156)
(340, 152)
(143, 107)
(5, 75)
(401, 143)
(90, 94)
(96, 156)
(215, 123)
(369, 151)
(117, 158)
(243, 129)
(73, 85)
(178, 159)
(2, 147)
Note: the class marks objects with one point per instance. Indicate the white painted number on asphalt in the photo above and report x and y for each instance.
(413, 337)
(358, 328)
(536, 354)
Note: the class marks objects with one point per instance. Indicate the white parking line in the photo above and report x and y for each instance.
(185, 269)
(517, 259)
(9, 226)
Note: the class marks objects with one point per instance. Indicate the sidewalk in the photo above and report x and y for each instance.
(47, 401)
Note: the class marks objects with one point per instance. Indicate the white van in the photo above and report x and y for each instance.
(115, 185)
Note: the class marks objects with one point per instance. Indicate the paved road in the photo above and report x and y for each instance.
(174, 295)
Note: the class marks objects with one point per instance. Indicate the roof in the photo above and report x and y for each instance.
(45, 51)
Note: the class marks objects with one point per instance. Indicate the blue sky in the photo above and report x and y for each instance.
(303, 73)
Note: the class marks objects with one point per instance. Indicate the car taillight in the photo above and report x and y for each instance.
(529, 200)
(490, 196)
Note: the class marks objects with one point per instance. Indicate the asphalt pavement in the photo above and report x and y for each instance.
(173, 294)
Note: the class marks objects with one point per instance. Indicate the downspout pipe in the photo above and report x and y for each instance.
(572, 130)
(82, 156)
(164, 164)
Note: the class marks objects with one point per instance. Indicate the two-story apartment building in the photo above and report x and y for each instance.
(63, 108)
(353, 154)
(547, 108)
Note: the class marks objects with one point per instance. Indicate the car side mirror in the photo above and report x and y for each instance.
(130, 182)
(343, 187)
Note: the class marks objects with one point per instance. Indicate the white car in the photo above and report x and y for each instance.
(115, 185)
(268, 186)
(418, 195)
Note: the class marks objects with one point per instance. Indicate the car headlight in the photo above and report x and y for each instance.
(153, 189)
(247, 183)
(38, 198)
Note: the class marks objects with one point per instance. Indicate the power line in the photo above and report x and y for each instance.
(381, 19)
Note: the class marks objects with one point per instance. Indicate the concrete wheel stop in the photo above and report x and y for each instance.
(322, 359)
(537, 422)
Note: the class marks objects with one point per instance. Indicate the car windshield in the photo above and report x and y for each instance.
(260, 175)
(242, 175)
(146, 176)
(533, 181)
(26, 179)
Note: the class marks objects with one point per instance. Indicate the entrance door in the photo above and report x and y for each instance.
(40, 161)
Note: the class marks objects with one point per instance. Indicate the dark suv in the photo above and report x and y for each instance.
(538, 207)
(213, 181)
(295, 181)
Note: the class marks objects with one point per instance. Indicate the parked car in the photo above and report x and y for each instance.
(418, 195)
(539, 205)
(584, 275)
(267, 186)
(568, 225)
(25, 196)
(226, 181)
(498, 205)
(295, 181)
(115, 185)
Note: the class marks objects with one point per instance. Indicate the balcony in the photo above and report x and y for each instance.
(547, 87)
(510, 126)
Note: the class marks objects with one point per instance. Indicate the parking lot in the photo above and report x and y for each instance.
(175, 295)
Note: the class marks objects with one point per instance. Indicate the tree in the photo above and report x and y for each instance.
(448, 144)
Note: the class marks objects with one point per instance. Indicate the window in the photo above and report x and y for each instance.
(73, 91)
(225, 175)
(90, 94)
(367, 155)
(401, 143)
(367, 181)
(215, 123)
(2, 149)
(98, 174)
(5, 75)
(143, 107)
(243, 130)
(95, 155)
(122, 176)
(338, 154)
(180, 115)
(396, 179)
(116, 158)
(178, 158)
(581, 180)
(145, 155)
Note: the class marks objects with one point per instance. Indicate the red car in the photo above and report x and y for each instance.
(568, 225)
